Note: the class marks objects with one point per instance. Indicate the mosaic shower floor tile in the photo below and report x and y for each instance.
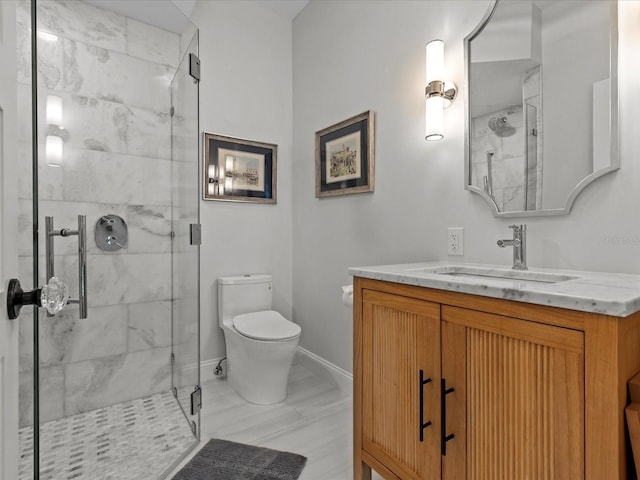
(135, 440)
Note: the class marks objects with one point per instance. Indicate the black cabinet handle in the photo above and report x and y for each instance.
(444, 391)
(423, 425)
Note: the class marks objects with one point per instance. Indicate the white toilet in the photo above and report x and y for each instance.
(260, 342)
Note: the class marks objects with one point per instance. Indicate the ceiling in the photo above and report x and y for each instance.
(159, 13)
(285, 8)
(162, 14)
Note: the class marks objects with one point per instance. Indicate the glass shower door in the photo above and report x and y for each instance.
(96, 393)
(185, 374)
(532, 193)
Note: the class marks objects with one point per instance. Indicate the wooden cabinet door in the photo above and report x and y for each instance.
(519, 392)
(400, 338)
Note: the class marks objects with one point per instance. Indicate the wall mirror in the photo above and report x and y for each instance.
(541, 103)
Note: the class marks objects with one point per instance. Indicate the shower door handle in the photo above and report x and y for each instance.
(49, 250)
(82, 265)
(53, 296)
(81, 232)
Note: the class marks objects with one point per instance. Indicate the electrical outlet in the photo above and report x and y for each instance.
(455, 241)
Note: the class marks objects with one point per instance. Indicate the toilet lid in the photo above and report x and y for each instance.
(266, 325)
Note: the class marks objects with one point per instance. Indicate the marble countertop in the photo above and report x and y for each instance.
(616, 294)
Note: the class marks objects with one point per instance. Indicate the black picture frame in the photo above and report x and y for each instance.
(239, 170)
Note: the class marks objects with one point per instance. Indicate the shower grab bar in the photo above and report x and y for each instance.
(49, 248)
(488, 179)
(82, 264)
(81, 232)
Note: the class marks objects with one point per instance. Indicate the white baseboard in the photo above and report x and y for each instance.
(206, 367)
(315, 363)
(320, 366)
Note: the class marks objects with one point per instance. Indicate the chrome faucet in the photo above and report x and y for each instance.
(519, 244)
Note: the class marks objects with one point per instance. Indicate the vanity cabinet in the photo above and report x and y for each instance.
(457, 386)
(401, 381)
(518, 406)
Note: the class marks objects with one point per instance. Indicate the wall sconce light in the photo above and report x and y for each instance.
(46, 36)
(229, 166)
(212, 180)
(218, 181)
(54, 149)
(56, 134)
(439, 94)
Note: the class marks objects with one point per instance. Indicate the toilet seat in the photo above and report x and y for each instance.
(266, 325)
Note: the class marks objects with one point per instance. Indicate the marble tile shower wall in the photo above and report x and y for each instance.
(509, 149)
(508, 157)
(532, 97)
(113, 75)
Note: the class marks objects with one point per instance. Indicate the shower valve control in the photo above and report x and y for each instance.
(111, 233)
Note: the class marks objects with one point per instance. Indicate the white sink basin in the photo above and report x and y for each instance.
(495, 274)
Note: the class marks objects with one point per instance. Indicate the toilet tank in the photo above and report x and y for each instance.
(243, 294)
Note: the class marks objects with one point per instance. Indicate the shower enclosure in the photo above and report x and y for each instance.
(109, 387)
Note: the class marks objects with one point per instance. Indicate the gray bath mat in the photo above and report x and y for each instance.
(224, 460)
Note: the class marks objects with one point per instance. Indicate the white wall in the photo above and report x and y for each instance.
(571, 38)
(352, 56)
(245, 92)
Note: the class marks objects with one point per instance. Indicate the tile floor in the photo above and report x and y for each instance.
(136, 440)
(315, 420)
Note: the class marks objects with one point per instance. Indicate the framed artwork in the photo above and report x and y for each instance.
(345, 157)
(239, 170)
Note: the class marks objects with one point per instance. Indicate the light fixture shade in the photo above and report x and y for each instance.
(54, 110)
(434, 52)
(434, 118)
(54, 150)
(46, 36)
(228, 163)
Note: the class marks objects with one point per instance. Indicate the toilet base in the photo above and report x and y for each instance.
(259, 370)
